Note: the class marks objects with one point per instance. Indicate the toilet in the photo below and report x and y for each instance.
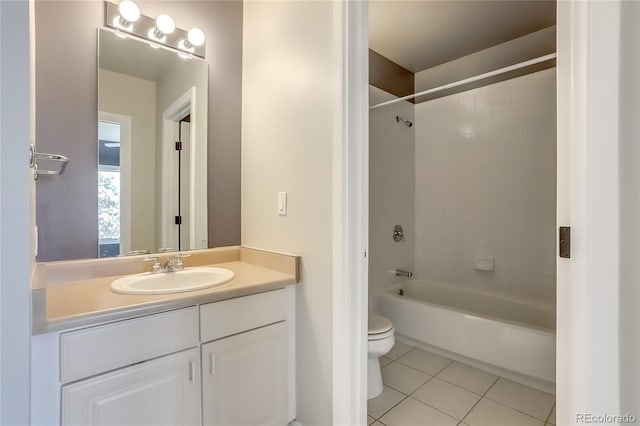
(380, 341)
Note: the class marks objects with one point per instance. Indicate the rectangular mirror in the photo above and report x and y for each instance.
(152, 147)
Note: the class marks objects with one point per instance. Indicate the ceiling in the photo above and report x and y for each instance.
(421, 34)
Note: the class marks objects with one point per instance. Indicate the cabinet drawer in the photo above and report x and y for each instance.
(220, 319)
(95, 350)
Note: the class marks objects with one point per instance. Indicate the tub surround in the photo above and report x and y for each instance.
(71, 294)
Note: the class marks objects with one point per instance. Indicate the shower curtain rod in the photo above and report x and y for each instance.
(469, 80)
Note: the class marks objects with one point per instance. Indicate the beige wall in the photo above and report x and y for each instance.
(486, 185)
(391, 190)
(290, 99)
(66, 117)
(136, 98)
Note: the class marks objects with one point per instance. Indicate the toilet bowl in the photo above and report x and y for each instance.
(380, 341)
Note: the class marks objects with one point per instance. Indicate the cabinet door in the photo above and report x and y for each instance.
(245, 378)
(165, 391)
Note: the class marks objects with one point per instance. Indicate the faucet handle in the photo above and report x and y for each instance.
(156, 263)
(177, 260)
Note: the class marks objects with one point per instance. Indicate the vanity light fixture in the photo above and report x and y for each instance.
(125, 18)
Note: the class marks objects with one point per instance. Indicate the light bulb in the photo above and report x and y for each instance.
(165, 24)
(196, 37)
(129, 11)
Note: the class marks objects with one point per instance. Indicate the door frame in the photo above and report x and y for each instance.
(587, 358)
(351, 214)
(125, 177)
(588, 118)
(17, 207)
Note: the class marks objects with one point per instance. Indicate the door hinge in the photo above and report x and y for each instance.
(178, 220)
(565, 241)
(178, 146)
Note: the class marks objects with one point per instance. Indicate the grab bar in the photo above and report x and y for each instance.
(35, 156)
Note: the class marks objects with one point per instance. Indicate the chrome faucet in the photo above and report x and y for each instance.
(172, 264)
(403, 273)
(175, 263)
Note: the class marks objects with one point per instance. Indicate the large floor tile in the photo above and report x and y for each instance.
(411, 412)
(370, 420)
(446, 397)
(424, 361)
(398, 350)
(389, 397)
(523, 398)
(470, 378)
(490, 413)
(403, 378)
(384, 361)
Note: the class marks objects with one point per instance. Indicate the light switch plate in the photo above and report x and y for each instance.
(282, 203)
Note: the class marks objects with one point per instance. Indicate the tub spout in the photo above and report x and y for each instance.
(403, 273)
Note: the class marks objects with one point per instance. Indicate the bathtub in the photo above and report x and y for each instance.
(500, 332)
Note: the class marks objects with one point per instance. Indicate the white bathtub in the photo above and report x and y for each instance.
(500, 332)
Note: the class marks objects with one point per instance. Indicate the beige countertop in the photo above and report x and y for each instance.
(61, 302)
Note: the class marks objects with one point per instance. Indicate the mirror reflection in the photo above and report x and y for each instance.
(152, 142)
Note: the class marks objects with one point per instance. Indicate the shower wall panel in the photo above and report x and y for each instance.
(485, 185)
(391, 190)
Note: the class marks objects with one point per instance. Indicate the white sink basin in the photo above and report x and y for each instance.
(189, 279)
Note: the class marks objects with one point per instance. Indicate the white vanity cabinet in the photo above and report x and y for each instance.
(222, 363)
(244, 375)
(155, 385)
(165, 391)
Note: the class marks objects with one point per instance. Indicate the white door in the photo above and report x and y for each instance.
(186, 228)
(244, 378)
(165, 391)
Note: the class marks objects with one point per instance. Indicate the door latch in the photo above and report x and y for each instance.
(565, 242)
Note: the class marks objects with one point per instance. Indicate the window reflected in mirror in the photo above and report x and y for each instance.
(108, 189)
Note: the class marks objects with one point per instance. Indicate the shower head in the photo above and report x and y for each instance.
(403, 121)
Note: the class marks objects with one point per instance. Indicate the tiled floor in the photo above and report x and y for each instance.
(424, 389)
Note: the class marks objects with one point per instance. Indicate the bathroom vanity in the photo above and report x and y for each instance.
(218, 356)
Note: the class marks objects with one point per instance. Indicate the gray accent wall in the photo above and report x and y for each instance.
(66, 117)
